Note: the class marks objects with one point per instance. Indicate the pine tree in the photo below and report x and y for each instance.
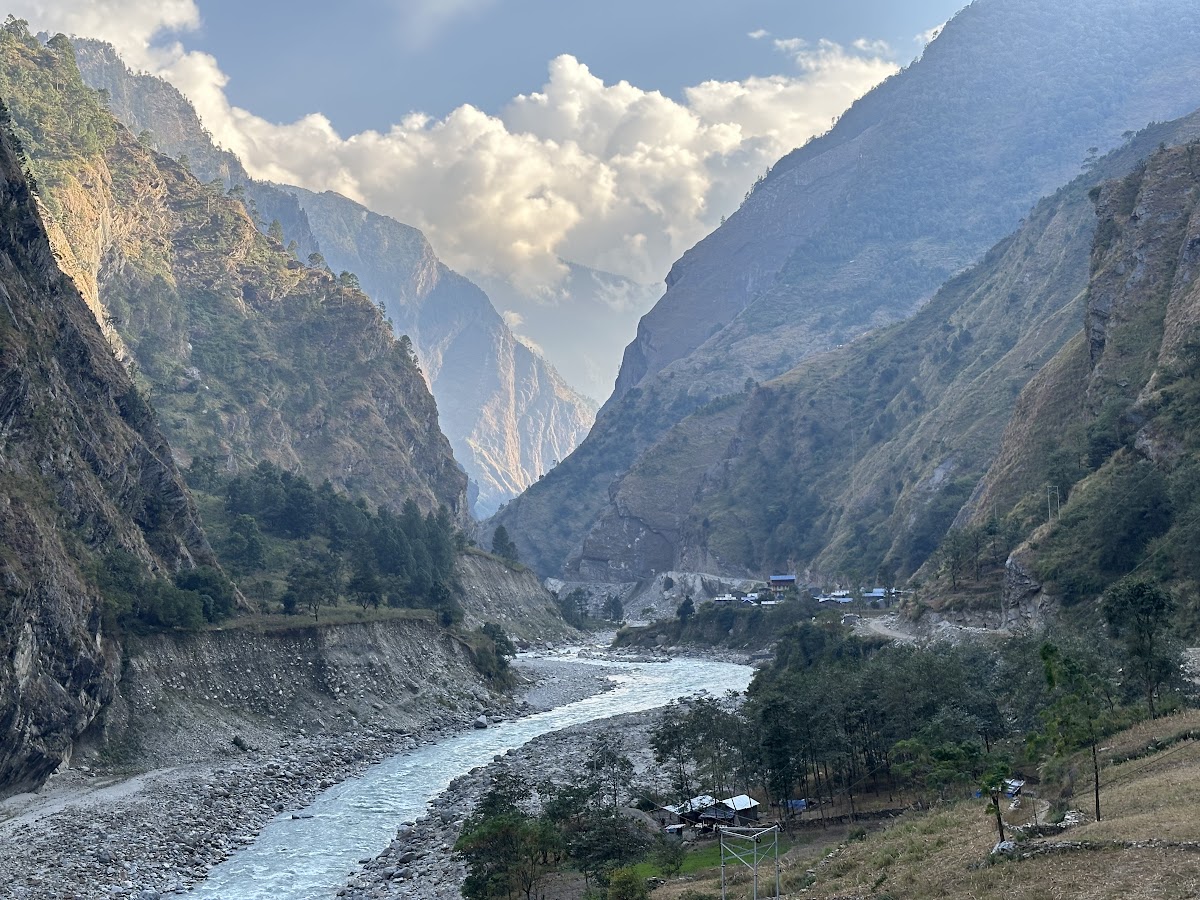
(503, 546)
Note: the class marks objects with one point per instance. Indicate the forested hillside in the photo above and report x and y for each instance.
(248, 353)
(508, 414)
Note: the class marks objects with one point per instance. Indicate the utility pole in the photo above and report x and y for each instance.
(1053, 502)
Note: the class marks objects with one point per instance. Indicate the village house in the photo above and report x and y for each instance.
(780, 583)
(706, 811)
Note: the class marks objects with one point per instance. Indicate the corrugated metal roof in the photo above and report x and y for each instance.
(704, 801)
(740, 802)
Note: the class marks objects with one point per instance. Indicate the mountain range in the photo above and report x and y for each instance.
(954, 341)
(508, 414)
(768, 416)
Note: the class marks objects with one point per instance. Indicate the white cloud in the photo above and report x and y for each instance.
(874, 48)
(758, 34)
(129, 25)
(609, 175)
(926, 37)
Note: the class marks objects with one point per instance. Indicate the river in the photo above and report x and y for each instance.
(307, 858)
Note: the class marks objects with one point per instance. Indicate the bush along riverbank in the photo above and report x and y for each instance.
(607, 755)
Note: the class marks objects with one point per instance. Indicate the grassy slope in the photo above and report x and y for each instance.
(943, 853)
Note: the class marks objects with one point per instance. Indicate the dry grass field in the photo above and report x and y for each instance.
(1146, 846)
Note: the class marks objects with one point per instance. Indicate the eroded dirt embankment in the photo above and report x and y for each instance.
(215, 734)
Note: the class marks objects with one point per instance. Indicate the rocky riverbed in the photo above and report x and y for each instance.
(89, 833)
(419, 863)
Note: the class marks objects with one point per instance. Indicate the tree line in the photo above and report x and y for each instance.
(836, 716)
(332, 547)
(521, 832)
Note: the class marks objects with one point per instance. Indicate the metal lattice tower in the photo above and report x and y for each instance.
(749, 847)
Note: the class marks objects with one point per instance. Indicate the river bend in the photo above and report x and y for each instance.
(307, 858)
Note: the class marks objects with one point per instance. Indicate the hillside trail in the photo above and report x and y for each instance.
(887, 626)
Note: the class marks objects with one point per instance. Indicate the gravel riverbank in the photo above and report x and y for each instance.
(88, 834)
(419, 862)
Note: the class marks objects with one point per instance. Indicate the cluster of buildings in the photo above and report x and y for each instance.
(778, 585)
(706, 811)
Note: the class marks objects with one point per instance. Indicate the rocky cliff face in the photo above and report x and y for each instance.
(166, 121)
(84, 469)
(249, 354)
(859, 227)
(1110, 422)
(508, 414)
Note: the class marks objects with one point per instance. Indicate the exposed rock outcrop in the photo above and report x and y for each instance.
(511, 597)
(508, 414)
(84, 469)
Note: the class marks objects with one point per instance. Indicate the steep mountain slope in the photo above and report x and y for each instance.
(84, 470)
(581, 325)
(857, 228)
(509, 416)
(916, 179)
(249, 354)
(857, 462)
(870, 452)
(1111, 423)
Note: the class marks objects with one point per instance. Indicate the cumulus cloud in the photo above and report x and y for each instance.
(758, 34)
(609, 175)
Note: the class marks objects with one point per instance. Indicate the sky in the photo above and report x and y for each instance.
(518, 134)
